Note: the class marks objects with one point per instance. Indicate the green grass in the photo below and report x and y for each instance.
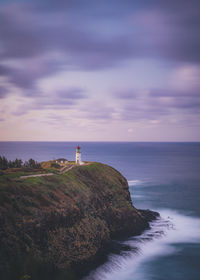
(16, 174)
(32, 180)
(51, 170)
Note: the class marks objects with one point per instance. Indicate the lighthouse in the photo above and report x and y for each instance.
(78, 155)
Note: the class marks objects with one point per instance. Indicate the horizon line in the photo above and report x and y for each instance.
(104, 141)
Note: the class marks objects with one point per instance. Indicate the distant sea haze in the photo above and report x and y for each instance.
(162, 176)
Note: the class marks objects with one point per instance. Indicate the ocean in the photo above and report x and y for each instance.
(164, 177)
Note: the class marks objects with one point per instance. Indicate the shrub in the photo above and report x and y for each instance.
(55, 165)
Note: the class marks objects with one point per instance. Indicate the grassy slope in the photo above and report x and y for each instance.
(62, 220)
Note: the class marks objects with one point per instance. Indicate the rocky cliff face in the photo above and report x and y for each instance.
(50, 226)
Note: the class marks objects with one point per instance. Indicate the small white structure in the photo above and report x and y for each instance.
(61, 161)
(78, 155)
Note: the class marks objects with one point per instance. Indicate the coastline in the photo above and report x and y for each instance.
(115, 246)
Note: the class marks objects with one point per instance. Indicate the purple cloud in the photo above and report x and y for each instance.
(31, 30)
(56, 101)
(126, 94)
(72, 93)
(40, 39)
(3, 92)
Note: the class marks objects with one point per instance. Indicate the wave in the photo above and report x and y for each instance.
(132, 183)
(172, 228)
(136, 196)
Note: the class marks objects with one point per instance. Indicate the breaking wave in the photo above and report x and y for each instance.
(132, 183)
(172, 228)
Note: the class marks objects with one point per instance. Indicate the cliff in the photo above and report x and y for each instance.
(50, 226)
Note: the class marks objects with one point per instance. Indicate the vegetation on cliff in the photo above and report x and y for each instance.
(18, 163)
(49, 226)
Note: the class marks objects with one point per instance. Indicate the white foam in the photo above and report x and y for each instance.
(170, 229)
(136, 196)
(132, 183)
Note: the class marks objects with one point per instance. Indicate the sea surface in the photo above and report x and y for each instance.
(162, 176)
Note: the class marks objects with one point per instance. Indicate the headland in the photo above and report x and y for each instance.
(57, 226)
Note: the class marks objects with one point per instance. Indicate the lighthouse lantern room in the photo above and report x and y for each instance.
(78, 155)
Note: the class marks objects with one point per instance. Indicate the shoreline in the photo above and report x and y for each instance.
(152, 248)
(115, 246)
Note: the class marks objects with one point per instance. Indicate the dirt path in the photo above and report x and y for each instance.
(66, 168)
(36, 175)
(62, 170)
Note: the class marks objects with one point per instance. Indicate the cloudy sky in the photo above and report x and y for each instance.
(91, 70)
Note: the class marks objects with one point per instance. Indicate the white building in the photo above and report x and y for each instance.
(61, 160)
(78, 155)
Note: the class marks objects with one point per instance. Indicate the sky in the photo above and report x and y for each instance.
(90, 70)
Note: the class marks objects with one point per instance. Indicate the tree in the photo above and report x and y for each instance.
(31, 163)
(3, 163)
(18, 163)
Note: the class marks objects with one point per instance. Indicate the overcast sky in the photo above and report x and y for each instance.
(100, 70)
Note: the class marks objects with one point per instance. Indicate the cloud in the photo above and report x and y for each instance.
(141, 112)
(72, 93)
(3, 92)
(186, 79)
(170, 29)
(61, 100)
(176, 101)
(157, 104)
(30, 39)
(44, 104)
(3, 70)
(40, 40)
(126, 94)
(95, 110)
(180, 95)
(25, 73)
(30, 31)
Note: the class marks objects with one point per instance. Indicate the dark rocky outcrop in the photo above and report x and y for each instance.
(50, 226)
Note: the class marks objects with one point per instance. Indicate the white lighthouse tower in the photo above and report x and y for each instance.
(78, 155)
